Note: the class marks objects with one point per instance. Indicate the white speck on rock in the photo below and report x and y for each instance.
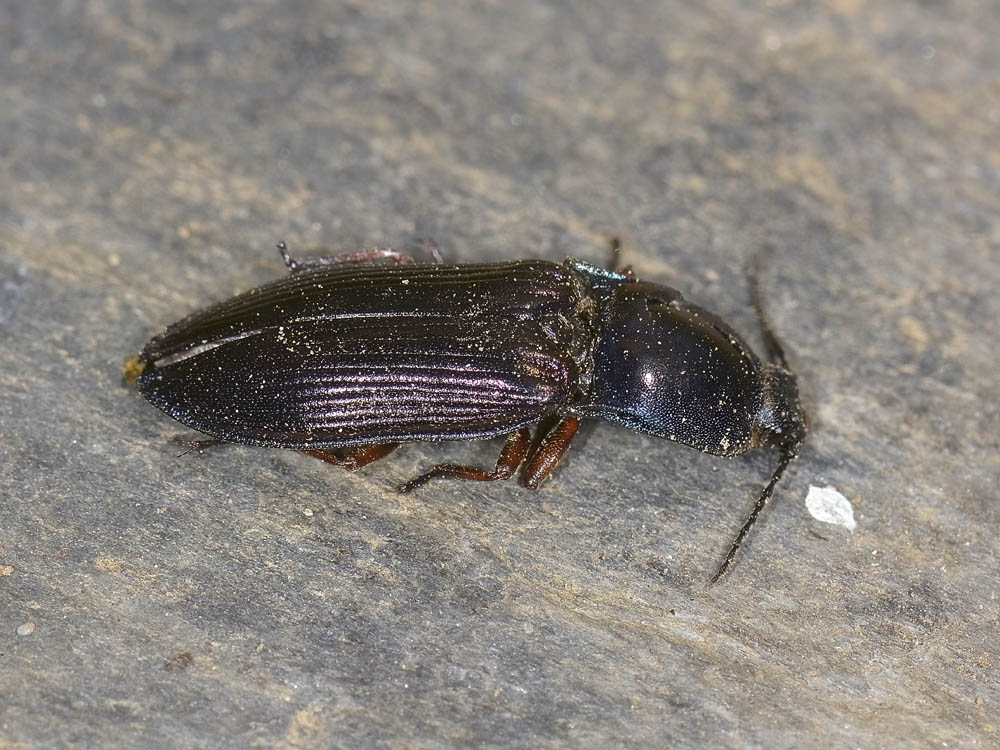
(826, 504)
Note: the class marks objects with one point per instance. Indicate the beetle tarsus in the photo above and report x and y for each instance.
(512, 455)
(615, 245)
(765, 495)
(196, 446)
(429, 247)
(290, 263)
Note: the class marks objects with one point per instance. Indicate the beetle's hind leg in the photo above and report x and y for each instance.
(549, 453)
(197, 446)
(511, 456)
(355, 458)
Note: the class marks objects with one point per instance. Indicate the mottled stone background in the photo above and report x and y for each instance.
(152, 153)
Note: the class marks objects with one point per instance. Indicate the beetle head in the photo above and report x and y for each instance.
(781, 421)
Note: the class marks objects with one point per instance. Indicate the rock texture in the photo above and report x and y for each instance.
(152, 153)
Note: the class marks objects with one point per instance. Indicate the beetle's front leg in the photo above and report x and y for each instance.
(511, 456)
(355, 458)
(549, 453)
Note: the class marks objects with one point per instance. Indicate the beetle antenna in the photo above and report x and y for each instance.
(765, 495)
(774, 347)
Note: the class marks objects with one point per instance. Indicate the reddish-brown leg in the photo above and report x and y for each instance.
(511, 456)
(549, 453)
(355, 458)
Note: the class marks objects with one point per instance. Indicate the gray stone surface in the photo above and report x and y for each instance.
(152, 153)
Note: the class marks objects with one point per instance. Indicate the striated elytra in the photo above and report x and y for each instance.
(349, 356)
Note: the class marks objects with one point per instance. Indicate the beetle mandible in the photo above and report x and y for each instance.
(346, 357)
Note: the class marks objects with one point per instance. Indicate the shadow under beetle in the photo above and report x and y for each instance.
(347, 357)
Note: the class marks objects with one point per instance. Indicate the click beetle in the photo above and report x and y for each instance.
(346, 357)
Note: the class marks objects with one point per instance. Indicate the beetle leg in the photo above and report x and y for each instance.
(429, 247)
(364, 257)
(615, 243)
(549, 452)
(355, 458)
(511, 456)
(196, 446)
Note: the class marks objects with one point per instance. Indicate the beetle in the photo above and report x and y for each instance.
(349, 356)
